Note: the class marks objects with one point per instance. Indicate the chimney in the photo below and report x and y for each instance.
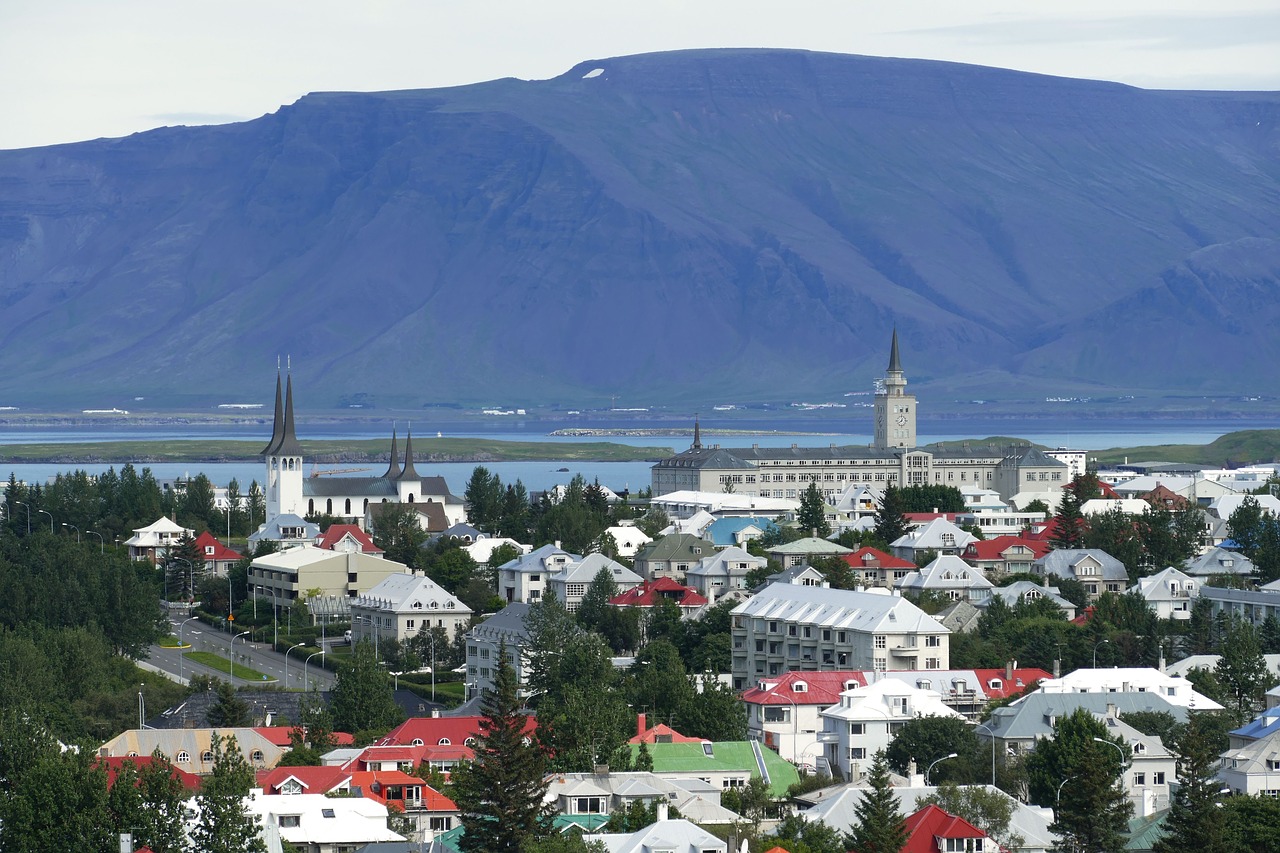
(662, 811)
(557, 544)
(435, 713)
(640, 724)
(1057, 668)
(1008, 670)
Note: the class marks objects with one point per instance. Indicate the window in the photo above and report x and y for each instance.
(444, 741)
(857, 728)
(857, 753)
(289, 821)
(1157, 778)
(932, 641)
(183, 757)
(441, 824)
(774, 714)
(880, 641)
(1139, 779)
(207, 756)
(326, 813)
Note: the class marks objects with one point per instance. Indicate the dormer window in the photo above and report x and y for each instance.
(800, 687)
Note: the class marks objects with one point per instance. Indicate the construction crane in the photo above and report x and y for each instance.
(315, 472)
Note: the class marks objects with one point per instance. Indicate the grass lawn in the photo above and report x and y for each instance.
(218, 662)
(172, 642)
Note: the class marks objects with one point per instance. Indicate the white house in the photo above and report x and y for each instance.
(628, 538)
(484, 641)
(1173, 689)
(1253, 768)
(1096, 569)
(937, 535)
(1171, 593)
(525, 578)
(866, 719)
(570, 583)
(320, 824)
(722, 572)
(402, 605)
(952, 577)
(483, 547)
(154, 541)
(1149, 766)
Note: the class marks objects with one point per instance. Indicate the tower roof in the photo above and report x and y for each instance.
(697, 434)
(895, 363)
(277, 425)
(288, 444)
(409, 472)
(393, 469)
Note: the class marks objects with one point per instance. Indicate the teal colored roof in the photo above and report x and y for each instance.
(726, 757)
(1144, 832)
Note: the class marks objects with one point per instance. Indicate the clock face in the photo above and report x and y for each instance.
(902, 420)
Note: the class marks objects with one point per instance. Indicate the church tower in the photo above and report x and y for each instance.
(895, 408)
(283, 456)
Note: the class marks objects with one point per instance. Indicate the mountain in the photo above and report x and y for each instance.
(718, 225)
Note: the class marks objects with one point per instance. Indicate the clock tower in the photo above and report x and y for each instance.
(895, 408)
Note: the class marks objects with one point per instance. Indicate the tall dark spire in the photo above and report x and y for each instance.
(277, 425)
(288, 444)
(895, 363)
(393, 469)
(697, 434)
(409, 472)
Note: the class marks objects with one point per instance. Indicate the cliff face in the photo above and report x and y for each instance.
(704, 225)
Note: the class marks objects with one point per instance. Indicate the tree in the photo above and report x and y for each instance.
(484, 499)
(1195, 819)
(1252, 824)
(927, 739)
(503, 554)
(1242, 670)
(228, 710)
(594, 608)
(361, 699)
(653, 522)
(162, 826)
(796, 834)
(1076, 775)
(878, 814)
(500, 794)
(225, 825)
(398, 533)
(891, 524)
(991, 811)
(813, 512)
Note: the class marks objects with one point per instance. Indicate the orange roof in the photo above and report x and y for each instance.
(211, 549)
(929, 824)
(868, 557)
(335, 533)
(279, 735)
(314, 780)
(650, 592)
(668, 734)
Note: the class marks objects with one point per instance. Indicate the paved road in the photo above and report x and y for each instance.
(256, 656)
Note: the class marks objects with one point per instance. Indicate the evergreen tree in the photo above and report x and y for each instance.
(484, 497)
(1196, 820)
(163, 825)
(813, 513)
(225, 825)
(500, 794)
(362, 699)
(257, 506)
(228, 709)
(1242, 670)
(879, 814)
(891, 524)
(593, 610)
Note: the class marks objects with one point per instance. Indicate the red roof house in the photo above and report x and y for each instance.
(1003, 555)
(113, 763)
(878, 568)
(932, 830)
(217, 556)
(347, 537)
(661, 733)
(649, 593)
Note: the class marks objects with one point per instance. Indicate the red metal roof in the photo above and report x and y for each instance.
(650, 592)
(994, 548)
(335, 532)
(431, 730)
(868, 557)
(314, 780)
(112, 765)
(926, 826)
(213, 550)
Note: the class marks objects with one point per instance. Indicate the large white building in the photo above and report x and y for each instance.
(790, 627)
(893, 459)
(402, 605)
(867, 718)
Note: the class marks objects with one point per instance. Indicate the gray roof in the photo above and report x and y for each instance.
(288, 519)
(1032, 457)
(839, 608)
(509, 621)
(535, 560)
(1219, 561)
(1014, 593)
(1031, 716)
(1060, 563)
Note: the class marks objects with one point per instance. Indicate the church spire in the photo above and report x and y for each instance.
(277, 425)
(393, 469)
(288, 444)
(697, 434)
(895, 363)
(409, 472)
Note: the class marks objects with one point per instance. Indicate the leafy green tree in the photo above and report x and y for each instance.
(225, 825)
(584, 721)
(812, 516)
(503, 554)
(1242, 670)
(1252, 824)
(638, 816)
(594, 608)
(1159, 724)
(550, 627)
(927, 739)
(713, 711)
(228, 709)
(516, 513)
(878, 815)
(563, 842)
(484, 499)
(446, 563)
(1195, 819)
(1076, 775)
(399, 534)
(362, 699)
(197, 508)
(653, 522)
(891, 524)
(658, 682)
(500, 794)
(991, 811)
(931, 498)
(798, 835)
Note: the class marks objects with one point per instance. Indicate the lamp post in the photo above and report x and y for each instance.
(28, 509)
(46, 512)
(286, 663)
(1095, 651)
(304, 667)
(73, 527)
(395, 684)
(1057, 799)
(991, 732)
(1119, 749)
(102, 543)
(935, 764)
(233, 655)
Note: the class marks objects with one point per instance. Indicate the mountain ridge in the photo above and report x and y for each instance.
(690, 225)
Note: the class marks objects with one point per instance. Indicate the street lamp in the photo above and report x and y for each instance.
(286, 663)
(304, 667)
(46, 512)
(233, 655)
(28, 509)
(935, 764)
(1057, 799)
(1117, 748)
(181, 643)
(395, 684)
(76, 529)
(1095, 651)
(102, 543)
(991, 732)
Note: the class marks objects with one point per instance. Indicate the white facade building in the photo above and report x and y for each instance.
(401, 605)
(1173, 689)
(867, 718)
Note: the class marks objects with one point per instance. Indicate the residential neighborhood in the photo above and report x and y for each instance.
(929, 631)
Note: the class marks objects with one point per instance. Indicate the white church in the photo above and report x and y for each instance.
(291, 495)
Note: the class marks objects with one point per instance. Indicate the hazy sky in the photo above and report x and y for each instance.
(78, 69)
